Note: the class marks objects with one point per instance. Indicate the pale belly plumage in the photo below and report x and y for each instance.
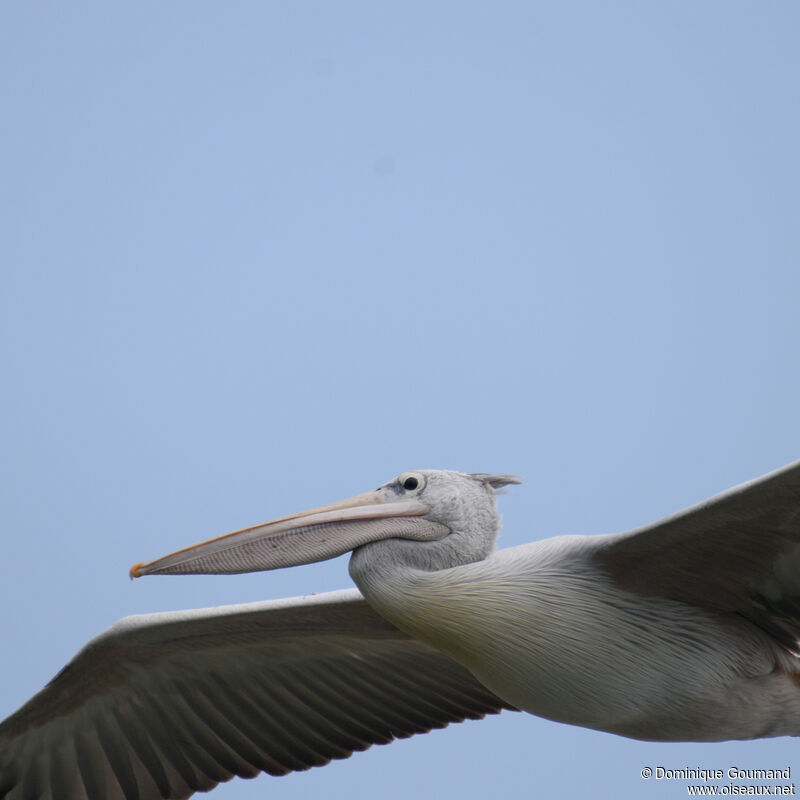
(548, 636)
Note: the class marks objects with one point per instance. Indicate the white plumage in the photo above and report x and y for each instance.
(685, 630)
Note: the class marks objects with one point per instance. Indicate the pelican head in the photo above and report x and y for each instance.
(432, 519)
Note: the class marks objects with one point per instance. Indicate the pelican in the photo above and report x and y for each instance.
(684, 630)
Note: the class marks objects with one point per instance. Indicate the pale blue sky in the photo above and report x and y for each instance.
(258, 257)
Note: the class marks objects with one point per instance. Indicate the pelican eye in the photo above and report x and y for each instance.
(411, 482)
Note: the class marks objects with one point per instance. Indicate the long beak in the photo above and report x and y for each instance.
(303, 538)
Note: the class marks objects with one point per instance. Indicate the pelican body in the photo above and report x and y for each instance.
(685, 630)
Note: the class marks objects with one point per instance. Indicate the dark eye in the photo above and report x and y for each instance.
(410, 483)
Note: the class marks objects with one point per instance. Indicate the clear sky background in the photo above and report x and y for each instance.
(258, 257)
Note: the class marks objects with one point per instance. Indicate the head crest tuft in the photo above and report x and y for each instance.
(496, 482)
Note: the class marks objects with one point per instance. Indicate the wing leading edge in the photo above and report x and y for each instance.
(164, 705)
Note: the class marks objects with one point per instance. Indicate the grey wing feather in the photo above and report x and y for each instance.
(164, 705)
(737, 552)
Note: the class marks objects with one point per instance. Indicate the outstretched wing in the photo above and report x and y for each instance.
(737, 552)
(163, 705)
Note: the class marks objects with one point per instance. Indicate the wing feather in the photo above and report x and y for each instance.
(164, 705)
(737, 552)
